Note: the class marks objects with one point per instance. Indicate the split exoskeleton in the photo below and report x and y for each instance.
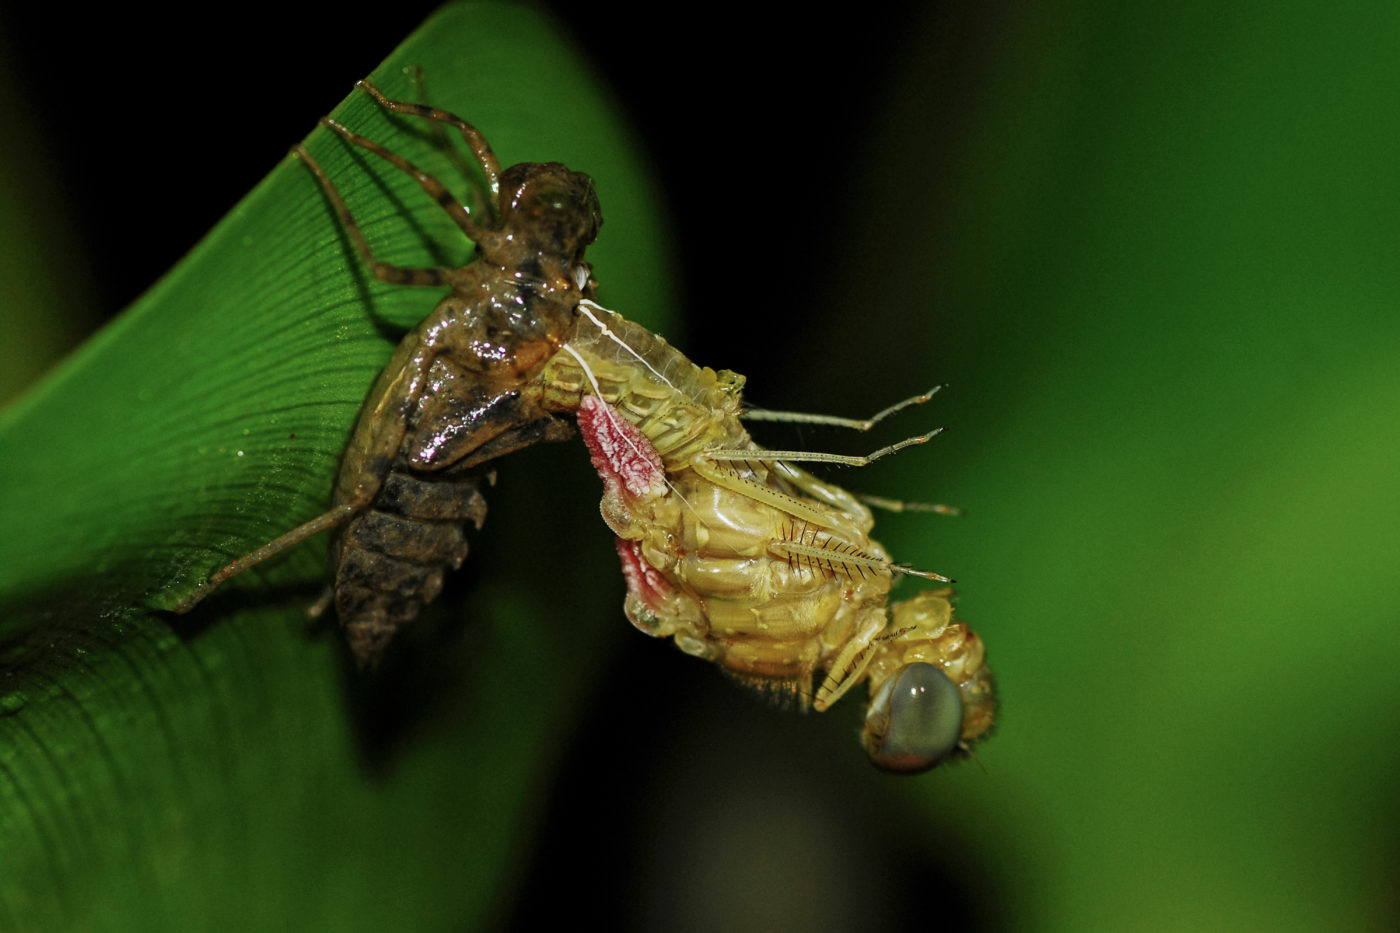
(738, 555)
(450, 399)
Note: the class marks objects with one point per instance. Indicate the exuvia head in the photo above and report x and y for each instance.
(546, 208)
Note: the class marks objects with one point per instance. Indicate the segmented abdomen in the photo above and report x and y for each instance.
(390, 560)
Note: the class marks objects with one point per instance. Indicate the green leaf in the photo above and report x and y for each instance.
(1167, 288)
(224, 768)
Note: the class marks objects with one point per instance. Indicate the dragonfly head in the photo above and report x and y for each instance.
(931, 695)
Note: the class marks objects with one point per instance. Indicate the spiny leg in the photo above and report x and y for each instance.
(805, 548)
(857, 424)
(829, 497)
(809, 456)
(434, 188)
(899, 505)
(849, 502)
(383, 271)
(814, 487)
(490, 167)
(839, 498)
(849, 665)
(277, 545)
(707, 465)
(809, 512)
(476, 197)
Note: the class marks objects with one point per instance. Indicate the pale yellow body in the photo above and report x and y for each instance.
(746, 561)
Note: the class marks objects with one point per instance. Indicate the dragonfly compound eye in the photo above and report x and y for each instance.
(914, 721)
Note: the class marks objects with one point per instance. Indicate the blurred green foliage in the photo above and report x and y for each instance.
(1169, 300)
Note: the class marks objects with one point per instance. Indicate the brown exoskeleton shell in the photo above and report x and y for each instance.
(450, 399)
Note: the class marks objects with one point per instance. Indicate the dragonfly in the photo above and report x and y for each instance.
(731, 550)
(746, 560)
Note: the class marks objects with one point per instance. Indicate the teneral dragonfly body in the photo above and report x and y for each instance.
(752, 563)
